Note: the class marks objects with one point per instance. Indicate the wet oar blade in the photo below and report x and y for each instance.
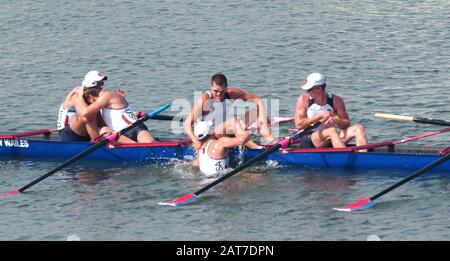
(358, 205)
(12, 192)
(183, 200)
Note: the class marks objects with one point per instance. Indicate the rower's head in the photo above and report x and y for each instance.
(314, 83)
(219, 86)
(94, 79)
(202, 129)
(90, 94)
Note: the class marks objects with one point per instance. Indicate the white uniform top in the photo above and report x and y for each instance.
(118, 119)
(209, 166)
(64, 117)
(314, 109)
(219, 110)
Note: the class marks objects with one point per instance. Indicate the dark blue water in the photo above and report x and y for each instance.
(383, 56)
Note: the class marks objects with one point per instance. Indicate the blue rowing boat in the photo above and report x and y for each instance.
(387, 157)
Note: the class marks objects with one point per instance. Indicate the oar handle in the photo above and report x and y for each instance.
(410, 118)
(393, 116)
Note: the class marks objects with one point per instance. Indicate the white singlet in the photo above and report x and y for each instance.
(314, 109)
(209, 166)
(64, 117)
(118, 119)
(219, 110)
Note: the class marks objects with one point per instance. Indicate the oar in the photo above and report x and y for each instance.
(188, 198)
(371, 145)
(410, 118)
(278, 120)
(165, 117)
(273, 121)
(110, 138)
(368, 202)
(26, 134)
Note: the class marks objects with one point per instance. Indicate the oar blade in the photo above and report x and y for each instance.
(12, 192)
(358, 205)
(183, 200)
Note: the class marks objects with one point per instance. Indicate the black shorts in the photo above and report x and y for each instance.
(133, 133)
(306, 142)
(67, 134)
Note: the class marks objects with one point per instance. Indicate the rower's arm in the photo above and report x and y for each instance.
(230, 142)
(342, 119)
(237, 93)
(87, 112)
(301, 118)
(191, 118)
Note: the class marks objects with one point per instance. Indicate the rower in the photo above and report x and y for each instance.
(67, 110)
(67, 113)
(214, 152)
(115, 112)
(214, 105)
(317, 105)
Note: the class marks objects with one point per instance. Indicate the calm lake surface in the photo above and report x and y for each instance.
(379, 56)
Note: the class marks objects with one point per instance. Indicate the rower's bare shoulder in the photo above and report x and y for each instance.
(235, 92)
(302, 99)
(337, 99)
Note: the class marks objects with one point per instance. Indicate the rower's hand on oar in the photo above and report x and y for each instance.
(104, 132)
(139, 114)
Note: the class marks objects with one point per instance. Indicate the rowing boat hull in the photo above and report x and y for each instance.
(181, 150)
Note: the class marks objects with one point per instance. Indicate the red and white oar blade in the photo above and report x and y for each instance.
(358, 205)
(183, 200)
(12, 192)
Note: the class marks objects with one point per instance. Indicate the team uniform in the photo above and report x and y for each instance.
(313, 110)
(64, 117)
(210, 166)
(65, 133)
(118, 119)
(218, 112)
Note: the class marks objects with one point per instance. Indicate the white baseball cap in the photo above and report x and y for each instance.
(91, 78)
(312, 80)
(202, 129)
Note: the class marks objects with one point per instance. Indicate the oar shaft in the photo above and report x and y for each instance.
(414, 175)
(431, 121)
(65, 164)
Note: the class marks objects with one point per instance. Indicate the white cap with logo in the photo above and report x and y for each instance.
(312, 80)
(202, 129)
(91, 78)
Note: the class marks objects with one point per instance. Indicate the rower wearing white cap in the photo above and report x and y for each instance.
(115, 111)
(67, 113)
(318, 105)
(213, 155)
